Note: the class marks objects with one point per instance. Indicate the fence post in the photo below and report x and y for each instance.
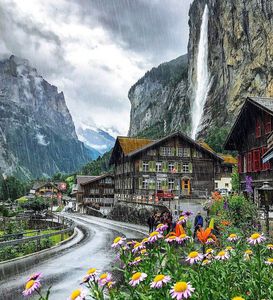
(38, 244)
(62, 235)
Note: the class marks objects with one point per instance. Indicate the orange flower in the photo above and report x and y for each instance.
(225, 223)
(203, 235)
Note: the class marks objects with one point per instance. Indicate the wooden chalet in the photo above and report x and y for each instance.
(95, 191)
(249, 136)
(45, 189)
(176, 164)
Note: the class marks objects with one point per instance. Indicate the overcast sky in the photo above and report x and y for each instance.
(95, 50)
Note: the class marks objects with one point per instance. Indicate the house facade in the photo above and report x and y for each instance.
(173, 166)
(249, 136)
(94, 191)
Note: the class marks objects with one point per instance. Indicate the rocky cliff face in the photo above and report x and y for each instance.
(37, 134)
(240, 61)
(240, 39)
(159, 102)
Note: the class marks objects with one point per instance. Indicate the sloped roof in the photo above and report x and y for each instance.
(263, 103)
(39, 184)
(129, 144)
(97, 178)
(228, 159)
(183, 136)
(81, 179)
(205, 145)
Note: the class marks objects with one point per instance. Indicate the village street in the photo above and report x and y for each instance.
(65, 269)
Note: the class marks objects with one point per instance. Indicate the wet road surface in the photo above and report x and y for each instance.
(65, 269)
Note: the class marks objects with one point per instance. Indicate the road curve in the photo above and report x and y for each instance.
(64, 269)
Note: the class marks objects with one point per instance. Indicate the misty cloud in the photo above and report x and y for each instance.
(94, 50)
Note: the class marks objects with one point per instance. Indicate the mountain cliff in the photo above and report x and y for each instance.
(159, 102)
(240, 63)
(240, 56)
(37, 134)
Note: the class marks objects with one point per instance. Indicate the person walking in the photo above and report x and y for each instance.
(151, 223)
(198, 223)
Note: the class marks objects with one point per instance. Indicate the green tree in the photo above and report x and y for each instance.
(216, 138)
(12, 188)
(36, 204)
(235, 180)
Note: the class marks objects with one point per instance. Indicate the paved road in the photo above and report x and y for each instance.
(64, 269)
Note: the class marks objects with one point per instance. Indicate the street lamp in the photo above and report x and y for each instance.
(266, 201)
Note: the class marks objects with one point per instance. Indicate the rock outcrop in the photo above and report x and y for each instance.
(159, 102)
(240, 61)
(37, 134)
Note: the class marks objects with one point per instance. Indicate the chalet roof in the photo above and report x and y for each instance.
(183, 136)
(97, 178)
(129, 144)
(263, 103)
(205, 145)
(81, 179)
(39, 184)
(228, 159)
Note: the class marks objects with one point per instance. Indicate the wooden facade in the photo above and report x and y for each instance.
(249, 136)
(96, 192)
(175, 164)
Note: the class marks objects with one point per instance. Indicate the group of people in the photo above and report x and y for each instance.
(171, 220)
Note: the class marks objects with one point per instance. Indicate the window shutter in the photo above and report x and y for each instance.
(150, 164)
(154, 166)
(140, 166)
(173, 151)
(190, 167)
(249, 162)
(165, 167)
(140, 183)
(176, 166)
(240, 164)
(256, 160)
(258, 131)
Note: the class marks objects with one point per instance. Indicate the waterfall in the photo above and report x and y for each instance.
(203, 77)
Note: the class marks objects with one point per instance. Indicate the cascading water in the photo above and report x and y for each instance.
(203, 77)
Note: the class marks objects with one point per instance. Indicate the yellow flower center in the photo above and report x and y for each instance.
(180, 287)
(193, 254)
(209, 250)
(103, 276)
(270, 260)
(222, 253)
(238, 298)
(229, 248)
(172, 237)
(182, 236)
(137, 245)
(117, 239)
(255, 236)
(159, 278)
(136, 276)
(153, 233)
(270, 246)
(75, 294)
(137, 258)
(29, 284)
(144, 240)
(248, 252)
(233, 235)
(91, 271)
(159, 225)
(143, 251)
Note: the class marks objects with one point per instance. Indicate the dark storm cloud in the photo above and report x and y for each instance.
(156, 28)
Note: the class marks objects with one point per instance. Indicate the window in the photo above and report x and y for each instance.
(171, 184)
(216, 185)
(249, 162)
(163, 151)
(267, 124)
(158, 185)
(159, 166)
(169, 151)
(186, 152)
(265, 166)
(171, 166)
(180, 152)
(145, 166)
(256, 160)
(185, 168)
(145, 182)
(258, 130)
(226, 185)
(152, 152)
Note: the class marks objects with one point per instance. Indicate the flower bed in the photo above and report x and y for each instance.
(228, 264)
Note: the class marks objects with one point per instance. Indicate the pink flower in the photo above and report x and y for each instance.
(78, 294)
(233, 237)
(31, 286)
(182, 238)
(171, 239)
(154, 236)
(256, 238)
(137, 278)
(118, 242)
(194, 257)
(104, 278)
(35, 276)
(137, 247)
(181, 290)
(160, 280)
(161, 227)
(222, 255)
